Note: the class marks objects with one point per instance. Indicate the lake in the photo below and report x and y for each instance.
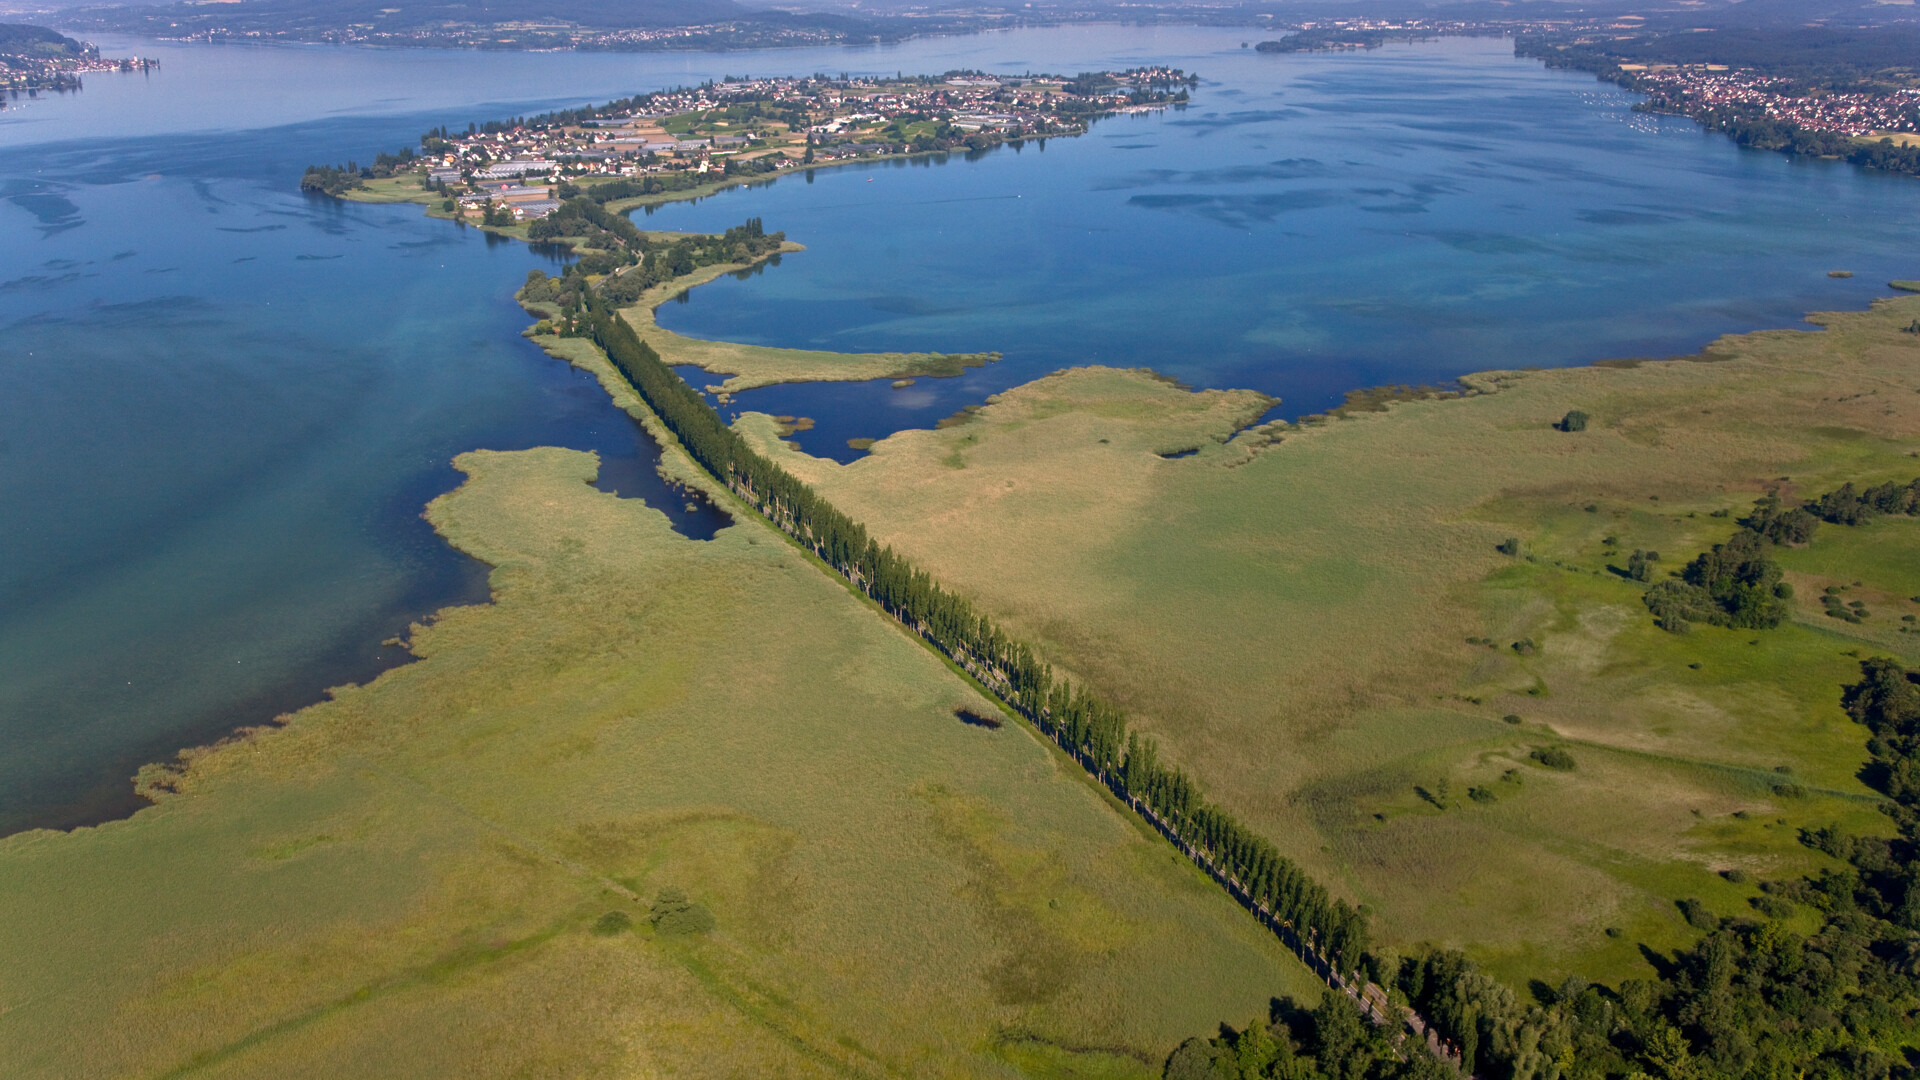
(223, 404)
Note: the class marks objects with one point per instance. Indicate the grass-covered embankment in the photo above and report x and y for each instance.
(748, 366)
(1323, 631)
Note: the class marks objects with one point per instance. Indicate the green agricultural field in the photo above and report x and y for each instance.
(665, 807)
(1316, 621)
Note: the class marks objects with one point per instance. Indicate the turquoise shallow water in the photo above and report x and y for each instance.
(222, 404)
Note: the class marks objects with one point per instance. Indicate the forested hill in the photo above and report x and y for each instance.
(1812, 55)
(291, 16)
(23, 39)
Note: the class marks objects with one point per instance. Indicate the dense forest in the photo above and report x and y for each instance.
(1328, 932)
(25, 39)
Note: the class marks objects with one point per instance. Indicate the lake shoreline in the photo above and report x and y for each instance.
(760, 362)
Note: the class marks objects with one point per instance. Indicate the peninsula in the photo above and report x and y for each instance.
(684, 143)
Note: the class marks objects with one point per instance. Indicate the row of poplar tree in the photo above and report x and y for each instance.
(1093, 731)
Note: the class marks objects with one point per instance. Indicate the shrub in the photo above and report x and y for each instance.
(1773, 907)
(1509, 546)
(1697, 915)
(1511, 718)
(1640, 565)
(1784, 591)
(1737, 876)
(1573, 421)
(1482, 795)
(1525, 647)
(613, 922)
(1554, 757)
(674, 914)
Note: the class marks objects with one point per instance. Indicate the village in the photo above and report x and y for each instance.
(512, 172)
(35, 59)
(1697, 88)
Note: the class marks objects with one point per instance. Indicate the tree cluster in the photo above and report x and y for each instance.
(337, 180)
(1331, 1042)
(334, 180)
(625, 260)
(1849, 507)
(1733, 585)
(1737, 585)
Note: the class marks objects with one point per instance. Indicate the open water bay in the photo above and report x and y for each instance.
(1308, 226)
(223, 404)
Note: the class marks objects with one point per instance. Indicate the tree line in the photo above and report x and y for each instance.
(1327, 931)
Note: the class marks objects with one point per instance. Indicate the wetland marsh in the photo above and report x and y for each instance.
(674, 790)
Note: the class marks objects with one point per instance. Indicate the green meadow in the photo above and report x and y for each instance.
(1317, 620)
(664, 807)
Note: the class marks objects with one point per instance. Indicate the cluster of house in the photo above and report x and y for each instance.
(1696, 88)
(505, 167)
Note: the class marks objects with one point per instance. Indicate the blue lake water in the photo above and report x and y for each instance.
(1308, 226)
(222, 404)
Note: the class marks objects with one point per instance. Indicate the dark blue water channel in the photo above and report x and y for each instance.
(223, 405)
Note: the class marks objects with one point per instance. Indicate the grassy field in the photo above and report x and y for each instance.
(1316, 621)
(421, 876)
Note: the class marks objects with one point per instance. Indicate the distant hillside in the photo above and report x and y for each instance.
(294, 16)
(23, 39)
(1800, 52)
